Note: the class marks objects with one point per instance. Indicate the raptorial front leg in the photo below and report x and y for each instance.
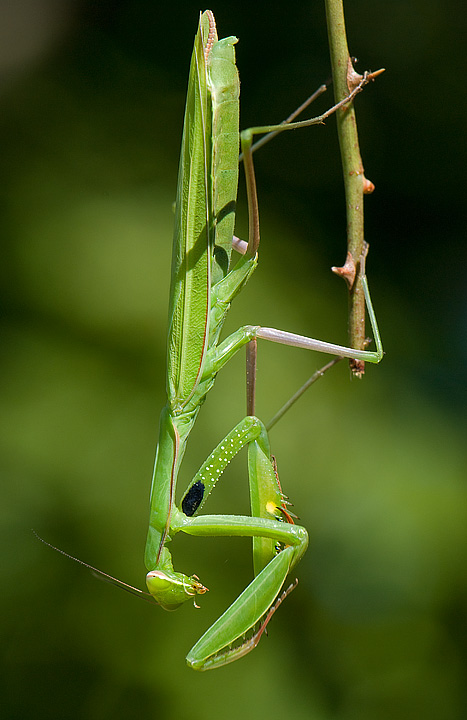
(277, 546)
(217, 646)
(168, 587)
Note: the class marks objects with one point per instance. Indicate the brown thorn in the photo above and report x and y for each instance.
(368, 186)
(373, 75)
(353, 77)
(347, 271)
(357, 368)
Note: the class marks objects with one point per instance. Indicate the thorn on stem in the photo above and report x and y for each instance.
(347, 271)
(354, 78)
(357, 368)
(373, 75)
(368, 186)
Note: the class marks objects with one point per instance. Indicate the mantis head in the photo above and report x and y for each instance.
(171, 589)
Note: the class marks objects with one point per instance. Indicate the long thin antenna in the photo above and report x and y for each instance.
(100, 573)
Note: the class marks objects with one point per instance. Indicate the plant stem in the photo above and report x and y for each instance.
(354, 180)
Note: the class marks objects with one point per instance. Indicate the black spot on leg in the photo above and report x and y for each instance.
(193, 498)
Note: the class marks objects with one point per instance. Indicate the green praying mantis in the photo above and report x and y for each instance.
(209, 268)
(206, 276)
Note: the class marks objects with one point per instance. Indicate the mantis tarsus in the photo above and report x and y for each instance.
(205, 279)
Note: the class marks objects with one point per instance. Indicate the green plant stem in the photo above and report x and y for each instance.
(353, 175)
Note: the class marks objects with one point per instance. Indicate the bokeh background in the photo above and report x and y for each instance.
(91, 106)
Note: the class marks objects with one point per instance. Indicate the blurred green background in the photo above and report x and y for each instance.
(91, 106)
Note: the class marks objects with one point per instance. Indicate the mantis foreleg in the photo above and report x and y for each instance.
(265, 526)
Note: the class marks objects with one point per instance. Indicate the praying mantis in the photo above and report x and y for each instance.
(210, 266)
